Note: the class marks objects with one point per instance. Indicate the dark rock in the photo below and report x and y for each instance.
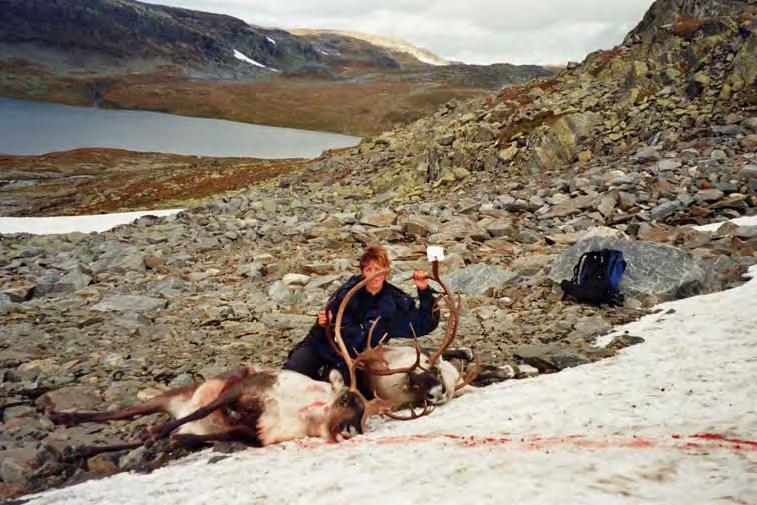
(665, 209)
(622, 341)
(550, 357)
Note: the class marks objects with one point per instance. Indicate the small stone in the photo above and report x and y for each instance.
(508, 154)
(664, 210)
(709, 195)
(154, 262)
(748, 172)
(590, 326)
(129, 303)
(102, 464)
(446, 139)
(718, 155)
(12, 471)
(749, 141)
(461, 173)
(295, 279)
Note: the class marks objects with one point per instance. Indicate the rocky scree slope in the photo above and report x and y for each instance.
(509, 185)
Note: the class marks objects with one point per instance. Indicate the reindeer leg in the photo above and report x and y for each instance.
(151, 406)
(87, 451)
(461, 353)
(230, 392)
(239, 432)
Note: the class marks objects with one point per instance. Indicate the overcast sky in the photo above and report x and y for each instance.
(473, 31)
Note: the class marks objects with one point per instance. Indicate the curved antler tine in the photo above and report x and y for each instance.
(454, 315)
(408, 369)
(417, 349)
(330, 339)
(369, 338)
(470, 374)
(427, 409)
(338, 326)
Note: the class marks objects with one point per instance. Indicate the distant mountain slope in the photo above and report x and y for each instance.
(128, 54)
(392, 43)
(125, 29)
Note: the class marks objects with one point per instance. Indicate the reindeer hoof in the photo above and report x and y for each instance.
(73, 453)
(144, 435)
(461, 353)
(62, 418)
(184, 441)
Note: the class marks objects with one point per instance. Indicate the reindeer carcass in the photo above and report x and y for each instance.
(257, 406)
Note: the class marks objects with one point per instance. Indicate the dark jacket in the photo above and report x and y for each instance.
(396, 308)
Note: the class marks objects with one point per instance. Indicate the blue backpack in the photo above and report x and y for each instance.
(596, 278)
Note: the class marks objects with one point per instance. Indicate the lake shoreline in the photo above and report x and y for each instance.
(29, 128)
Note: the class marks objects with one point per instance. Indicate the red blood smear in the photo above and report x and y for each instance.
(720, 438)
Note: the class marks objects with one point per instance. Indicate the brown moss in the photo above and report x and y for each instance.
(687, 27)
(520, 93)
(745, 16)
(527, 125)
(129, 181)
(603, 59)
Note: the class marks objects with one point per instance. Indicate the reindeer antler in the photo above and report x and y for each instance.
(370, 354)
(338, 327)
(377, 405)
(454, 315)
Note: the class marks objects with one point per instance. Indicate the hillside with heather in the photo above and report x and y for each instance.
(635, 148)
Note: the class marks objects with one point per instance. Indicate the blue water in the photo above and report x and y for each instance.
(33, 128)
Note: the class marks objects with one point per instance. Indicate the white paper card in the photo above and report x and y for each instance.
(435, 252)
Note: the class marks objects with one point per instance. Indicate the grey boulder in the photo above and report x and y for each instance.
(654, 272)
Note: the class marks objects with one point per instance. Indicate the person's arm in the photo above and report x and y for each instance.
(351, 329)
(425, 318)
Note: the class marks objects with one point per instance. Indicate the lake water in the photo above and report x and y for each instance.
(33, 128)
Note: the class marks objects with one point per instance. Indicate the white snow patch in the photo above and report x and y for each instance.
(418, 55)
(241, 56)
(641, 427)
(69, 224)
(269, 39)
(740, 221)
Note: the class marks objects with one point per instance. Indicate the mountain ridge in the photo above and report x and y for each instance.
(127, 54)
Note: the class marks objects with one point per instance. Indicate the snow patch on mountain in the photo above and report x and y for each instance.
(241, 56)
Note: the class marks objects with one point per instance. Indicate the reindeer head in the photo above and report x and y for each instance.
(352, 408)
(426, 385)
(347, 413)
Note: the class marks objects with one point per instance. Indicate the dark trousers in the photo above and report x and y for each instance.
(306, 359)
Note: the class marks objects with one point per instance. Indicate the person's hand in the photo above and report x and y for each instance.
(323, 318)
(420, 279)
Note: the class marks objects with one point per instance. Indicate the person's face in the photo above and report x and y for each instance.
(375, 284)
